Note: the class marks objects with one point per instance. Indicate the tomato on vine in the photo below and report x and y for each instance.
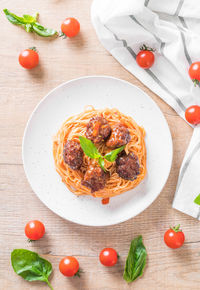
(145, 58)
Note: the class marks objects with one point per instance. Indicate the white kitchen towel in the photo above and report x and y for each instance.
(173, 29)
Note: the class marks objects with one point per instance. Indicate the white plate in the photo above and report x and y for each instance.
(70, 98)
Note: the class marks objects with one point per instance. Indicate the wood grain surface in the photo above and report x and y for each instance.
(20, 91)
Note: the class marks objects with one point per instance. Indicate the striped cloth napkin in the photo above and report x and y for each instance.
(173, 29)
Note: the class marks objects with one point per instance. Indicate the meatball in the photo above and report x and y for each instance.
(120, 136)
(98, 129)
(127, 166)
(94, 178)
(73, 154)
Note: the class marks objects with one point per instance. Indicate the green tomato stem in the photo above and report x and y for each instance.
(176, 228)
(196, 82)
(30, 241)
(145, 47)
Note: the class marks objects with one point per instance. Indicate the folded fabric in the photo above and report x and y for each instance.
(172, 28)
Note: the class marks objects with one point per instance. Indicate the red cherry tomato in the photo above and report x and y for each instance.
(29, 58)
(192, 115)
(70, 27)
(108, 257)
(194, 72)
(174, 237)
(105, 200)
(69, 266)
(34, 230)
(145, 59)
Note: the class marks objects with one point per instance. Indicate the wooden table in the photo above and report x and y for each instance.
(21, 90)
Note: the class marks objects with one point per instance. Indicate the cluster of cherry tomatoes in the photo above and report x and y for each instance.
(70, 27)
(146, 58)
(29, 58)
(69, 266)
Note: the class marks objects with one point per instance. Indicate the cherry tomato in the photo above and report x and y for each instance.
(194, 72)
(69, 266)
(145, 59)
(70, 27)
(108, 257)
(174, 237)
(105, 200)
(34, 230)
(29, 58)
(192, 115)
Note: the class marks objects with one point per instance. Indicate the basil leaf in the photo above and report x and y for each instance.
(42, 31)
(28, 27)
(136, 260)
(89, 148)
(101, 163)
(14, 19)
(29, 18)
(112, 155)
(197, 200)
(30, 266)
(29, 23)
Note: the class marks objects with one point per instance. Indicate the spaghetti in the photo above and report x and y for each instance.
(74, 127)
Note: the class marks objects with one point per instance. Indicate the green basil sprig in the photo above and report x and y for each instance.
(30, 266)
(197, 200)
(101, 163)
(89, 148)
(112, 155)
(91, 151)
(29, 23)
(136, 260)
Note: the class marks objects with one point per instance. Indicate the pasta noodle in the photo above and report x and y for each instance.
(74, 127)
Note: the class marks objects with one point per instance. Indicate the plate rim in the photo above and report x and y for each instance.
(77, 79)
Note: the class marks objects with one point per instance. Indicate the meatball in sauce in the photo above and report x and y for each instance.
(94, 178)
(120, 136)
(73, 154)
(127, 166)
(98, 129)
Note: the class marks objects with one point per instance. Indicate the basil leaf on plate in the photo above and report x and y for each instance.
(91, 151)
(197, 200)
(89, 148)
(30, 266)
(112, 155)
(136, 260)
